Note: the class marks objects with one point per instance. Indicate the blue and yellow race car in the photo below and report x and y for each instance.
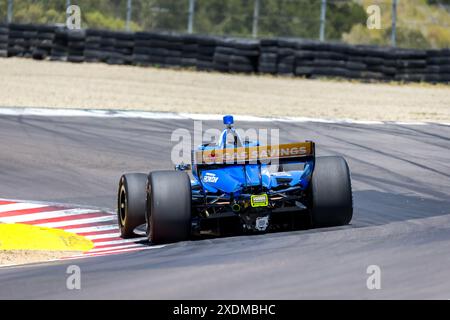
(237, 187)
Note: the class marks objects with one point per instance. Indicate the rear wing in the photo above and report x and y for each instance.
(299, 151)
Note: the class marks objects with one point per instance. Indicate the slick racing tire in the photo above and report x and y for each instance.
(131, 204)
(331, 193)
(168, 207)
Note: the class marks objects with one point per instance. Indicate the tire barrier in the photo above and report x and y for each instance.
(4, 36)
(277, 56)
(236, 55)
(75, 45)
(44, 42)
(59, 49)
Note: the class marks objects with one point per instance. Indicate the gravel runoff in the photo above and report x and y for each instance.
(45, 84)
(13, 257)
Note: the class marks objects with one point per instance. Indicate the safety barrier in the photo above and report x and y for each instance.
(280, 56)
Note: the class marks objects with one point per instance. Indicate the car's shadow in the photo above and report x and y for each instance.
(371, 208)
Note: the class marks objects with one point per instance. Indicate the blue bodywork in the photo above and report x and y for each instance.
(235, 180)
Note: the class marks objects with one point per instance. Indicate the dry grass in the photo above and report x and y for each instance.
(29, 83)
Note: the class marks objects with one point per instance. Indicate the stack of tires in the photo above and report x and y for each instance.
(4, 31)
(150, 49)
(174, 47)
(29, 36)
(141, 49)
(411, 65)
(189, 51)
(107, 45)
(222, 56)
(268, 58)
(371, 63)
(75, 45)
(286, 58)
(438, 66)
(158, 51)
(236, 55)
(205, 56)
(123, 48)
(59, 48)
(92, 46)
(18, 43)
(320, 59)
(315, 59)
(44, 42)
(282, 56)
(245, 56)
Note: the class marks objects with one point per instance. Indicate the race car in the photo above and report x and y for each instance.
(236, 186)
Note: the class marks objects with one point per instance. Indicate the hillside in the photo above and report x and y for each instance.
(422, 23)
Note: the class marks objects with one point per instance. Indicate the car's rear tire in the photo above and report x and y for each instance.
(131, 203)
(168, 207)
(331, 193)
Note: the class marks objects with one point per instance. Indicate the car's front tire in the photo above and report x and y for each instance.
(169, 201)
(131, 203)
(331, 193)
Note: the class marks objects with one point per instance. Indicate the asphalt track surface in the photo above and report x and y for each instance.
(401, 187)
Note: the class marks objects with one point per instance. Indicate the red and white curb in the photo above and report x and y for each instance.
(99, 226)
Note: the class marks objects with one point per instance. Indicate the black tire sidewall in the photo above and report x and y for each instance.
(168, 206)
(134, 186)
(331, 192)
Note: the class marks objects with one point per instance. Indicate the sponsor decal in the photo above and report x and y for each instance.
(259, 200)
(242, 154)
(281, 174)
(210, 178)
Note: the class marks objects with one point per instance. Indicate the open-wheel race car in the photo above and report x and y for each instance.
(237, 187)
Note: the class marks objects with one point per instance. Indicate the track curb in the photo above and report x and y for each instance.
(135, 114)
(94, 225)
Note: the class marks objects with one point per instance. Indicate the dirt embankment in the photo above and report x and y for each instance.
(29, 83)
(31, 256)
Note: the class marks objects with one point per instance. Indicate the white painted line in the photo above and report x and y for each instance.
(92, 229)
(104, 253)
(75, 222)
(20, 206)
(108, 252)
(201, 116)
(350, 121)
(99, 113)
(104, 243)
(103, 236)
(147, 115)
(219, 117)
(125, 246)
(143, 247)
(245, 118)
(408, 123)
(304, 119)
(70, 214)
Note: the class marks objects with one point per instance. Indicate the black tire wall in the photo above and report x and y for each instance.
(279, 56)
